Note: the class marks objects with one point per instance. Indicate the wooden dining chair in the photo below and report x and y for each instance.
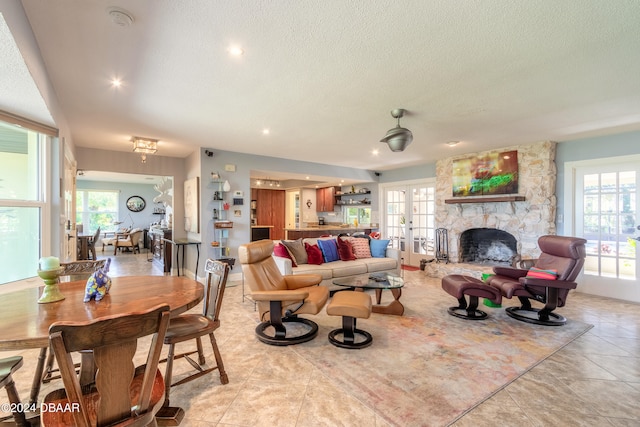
(121, 393)
(8, 366)
(194, 326)
(92, 244)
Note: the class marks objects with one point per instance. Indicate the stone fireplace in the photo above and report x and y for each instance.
(525, 218)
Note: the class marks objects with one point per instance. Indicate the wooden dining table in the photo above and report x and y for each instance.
(24, 324)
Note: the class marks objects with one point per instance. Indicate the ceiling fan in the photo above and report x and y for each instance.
(398, 138)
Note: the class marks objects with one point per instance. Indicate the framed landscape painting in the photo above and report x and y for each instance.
(490, 174)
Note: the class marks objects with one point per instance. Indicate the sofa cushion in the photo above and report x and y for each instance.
(324, 270)
(345, 250)
(297, 250)
(348, 268)
(378, 248)
(281, 251)
(314, 254)
(360, 247)
(329, 250)
(380, 264)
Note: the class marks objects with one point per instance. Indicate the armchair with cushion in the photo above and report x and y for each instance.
(127, 240)
(280, 299)
(549, 281)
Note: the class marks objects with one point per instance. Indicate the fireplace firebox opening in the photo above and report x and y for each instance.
(487, 246)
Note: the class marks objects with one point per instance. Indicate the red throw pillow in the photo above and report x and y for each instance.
(281, 251)
(314, 254)
(538, 273)
(345, 250)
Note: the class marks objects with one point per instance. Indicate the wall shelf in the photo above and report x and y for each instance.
(492, 199)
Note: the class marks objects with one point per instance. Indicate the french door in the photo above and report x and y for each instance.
(409, 219)
(606, 214)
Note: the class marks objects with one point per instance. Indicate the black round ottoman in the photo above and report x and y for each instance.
(458, 286)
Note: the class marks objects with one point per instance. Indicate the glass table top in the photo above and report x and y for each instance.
(380, 280)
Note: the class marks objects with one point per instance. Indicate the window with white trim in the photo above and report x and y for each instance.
(22, 201)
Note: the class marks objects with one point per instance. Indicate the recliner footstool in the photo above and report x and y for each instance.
(460, 286)
(351, 305)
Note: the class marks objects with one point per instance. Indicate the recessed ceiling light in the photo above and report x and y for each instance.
(265, 131)
(235, 51)
(375, 152)
(116, 82)
(306, 177)
(453, 143)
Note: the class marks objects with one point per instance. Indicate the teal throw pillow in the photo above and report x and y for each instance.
(378, 248)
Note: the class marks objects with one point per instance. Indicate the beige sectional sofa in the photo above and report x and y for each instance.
(335, 269)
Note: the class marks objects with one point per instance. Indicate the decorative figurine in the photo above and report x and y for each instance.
(98, 284)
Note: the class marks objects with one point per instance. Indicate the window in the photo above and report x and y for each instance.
(97, 209)
(361, 215)
(22, 201)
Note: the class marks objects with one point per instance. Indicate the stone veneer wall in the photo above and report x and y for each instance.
(526, 220)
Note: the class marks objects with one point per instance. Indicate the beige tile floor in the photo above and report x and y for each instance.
(593, 381)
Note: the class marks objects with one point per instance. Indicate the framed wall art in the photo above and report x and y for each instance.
(192, 205)
(490, 174)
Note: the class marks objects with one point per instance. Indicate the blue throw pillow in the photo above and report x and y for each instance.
(329, 250)
(378, 248)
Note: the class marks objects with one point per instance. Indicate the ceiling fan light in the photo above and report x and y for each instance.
(398, 138)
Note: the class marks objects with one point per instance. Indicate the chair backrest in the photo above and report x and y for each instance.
(260, 270)
(113, 341)
(135, 237)
(215, 284)
(564, 254)
(95, 237)
(77, 270)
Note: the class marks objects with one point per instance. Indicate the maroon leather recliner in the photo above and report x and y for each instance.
(563, 254)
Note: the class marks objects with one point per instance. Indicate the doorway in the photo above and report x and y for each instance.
(292, 208)
(605, 213)
(409, 219)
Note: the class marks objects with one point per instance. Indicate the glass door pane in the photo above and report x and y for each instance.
(421, 223)
(606, 216)
(395, 221)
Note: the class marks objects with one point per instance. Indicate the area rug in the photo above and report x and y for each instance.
(410, 267)
(460, 363)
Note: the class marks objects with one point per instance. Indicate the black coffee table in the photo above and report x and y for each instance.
(377, 282)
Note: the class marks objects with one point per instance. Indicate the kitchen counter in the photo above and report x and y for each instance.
(260, 232)
(334, 230)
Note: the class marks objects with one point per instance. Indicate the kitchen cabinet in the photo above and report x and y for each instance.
(325, 199)
(270, 210)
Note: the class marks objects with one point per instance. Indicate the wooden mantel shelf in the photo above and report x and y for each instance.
(493, 199)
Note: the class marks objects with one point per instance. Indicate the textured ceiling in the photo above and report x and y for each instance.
(324, 75)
